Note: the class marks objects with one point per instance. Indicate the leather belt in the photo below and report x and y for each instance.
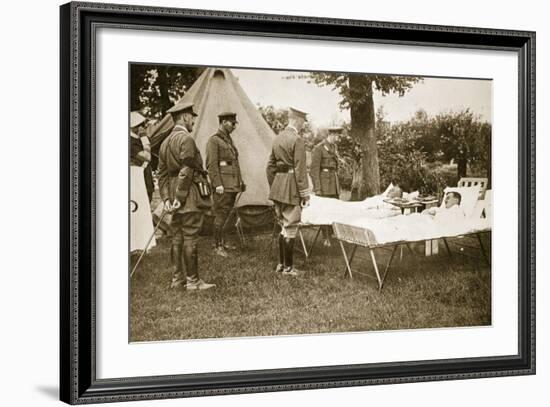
(225, 163)
(289, 171)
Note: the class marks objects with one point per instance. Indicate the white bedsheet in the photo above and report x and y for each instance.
(325, 211)
(416, 226)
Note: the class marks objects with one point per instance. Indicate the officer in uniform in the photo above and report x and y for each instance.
(324, 171)
(287, 177)
(183, 186)
(222, 163)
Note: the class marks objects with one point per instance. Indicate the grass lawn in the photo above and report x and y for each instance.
(252, 300)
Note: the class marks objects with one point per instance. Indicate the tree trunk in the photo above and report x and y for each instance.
(163, 85)
(366, 181)
(462, 166)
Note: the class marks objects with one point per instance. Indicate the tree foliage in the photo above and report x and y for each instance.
(155, 88)
(462, 136)
(415, 153)
(351, 95)
(356, 91)
(277, 119)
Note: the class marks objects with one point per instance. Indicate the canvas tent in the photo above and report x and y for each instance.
(215, 91)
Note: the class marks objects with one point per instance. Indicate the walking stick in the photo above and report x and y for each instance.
(163, 214)
(232, 210)
(238, 222)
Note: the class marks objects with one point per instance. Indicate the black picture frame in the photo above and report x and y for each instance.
(78, 382)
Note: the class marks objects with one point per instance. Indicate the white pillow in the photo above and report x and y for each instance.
(385, 193)
(469, 197)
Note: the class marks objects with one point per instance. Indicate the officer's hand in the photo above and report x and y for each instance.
(219, 189)
(304, 202)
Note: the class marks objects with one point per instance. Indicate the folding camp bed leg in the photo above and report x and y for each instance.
(389, 263)
(449, 253)
(447, 247)
(373, 258)
(314, 241)
(240, 232)
(348, 263)
(483, 250)
(303, 243)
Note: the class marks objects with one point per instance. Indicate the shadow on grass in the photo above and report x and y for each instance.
(252, 300)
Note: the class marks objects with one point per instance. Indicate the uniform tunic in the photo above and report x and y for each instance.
(287, 177)
(323, 171)
(222, 162)
(286, 168)
(180, 169)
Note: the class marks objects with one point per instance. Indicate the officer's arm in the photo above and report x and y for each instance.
(212, 163)
(271, 169)
(187, 164)
(315, 170)
(301, 169)
(164, 188)
(187, 153)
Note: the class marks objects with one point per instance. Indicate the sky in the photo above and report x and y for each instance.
(434, 95)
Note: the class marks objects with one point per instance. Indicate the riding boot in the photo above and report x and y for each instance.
(289, 257)
(281, 265)
(178, 275)
(216, 235)
(218, 243)
(191, 258)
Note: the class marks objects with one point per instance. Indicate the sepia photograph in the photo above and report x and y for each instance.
(268, 202)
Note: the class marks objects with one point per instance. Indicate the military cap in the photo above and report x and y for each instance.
(136, 119)
(295, 113)
(228, 116)
(186, 107)
(335, 129)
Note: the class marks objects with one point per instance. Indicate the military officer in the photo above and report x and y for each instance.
(183, 189)
(324, 171)
(222, 163)
(287, 177)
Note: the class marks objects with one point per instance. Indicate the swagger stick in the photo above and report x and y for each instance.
(163, 214)
(238, 221)
(232, 210)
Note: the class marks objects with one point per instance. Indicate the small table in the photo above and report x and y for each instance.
(413, 205)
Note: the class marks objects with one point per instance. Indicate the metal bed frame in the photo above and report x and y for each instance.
(361, 237)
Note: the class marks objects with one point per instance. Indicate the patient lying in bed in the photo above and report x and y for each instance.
(450, 212)
(447, 220)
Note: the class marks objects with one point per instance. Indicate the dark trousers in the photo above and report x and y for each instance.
(223, 203)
